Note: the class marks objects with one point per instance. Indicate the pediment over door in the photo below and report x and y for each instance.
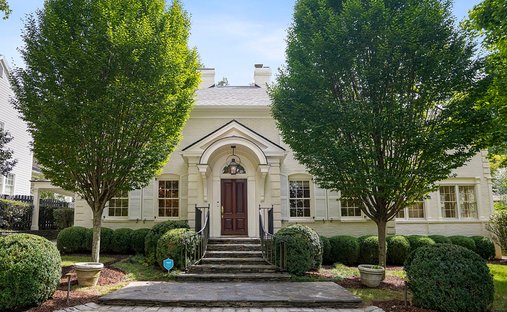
(236, 133)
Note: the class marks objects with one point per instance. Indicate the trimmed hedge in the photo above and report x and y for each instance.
(29, 271)
(344, 249)
(159, 229)
(368, 249)
(172, 245)
(326, 250)
(463, 241)
(440, 239)
(304, 251)
(73, 239)
(398, 248)
(484, 247)
(121, 241)
(417, 241)
(137, 242)
(450, 278)
(14, 214)
(64, 217)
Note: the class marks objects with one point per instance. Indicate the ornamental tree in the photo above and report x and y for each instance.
(107, 88)
(6, 161)
(376, 99)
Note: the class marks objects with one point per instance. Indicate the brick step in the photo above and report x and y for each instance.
(232, 268)
(231, 277)
(233, 254)
(233, 261)
(234, 247)
(235, 240)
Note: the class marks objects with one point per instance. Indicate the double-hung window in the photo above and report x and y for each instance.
(350, 207)
(458, 201)
(168, 198)
(299, 198)
(9, 184)
(414, 211)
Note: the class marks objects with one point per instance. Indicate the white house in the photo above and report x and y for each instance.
(18, 181)
(234, 125)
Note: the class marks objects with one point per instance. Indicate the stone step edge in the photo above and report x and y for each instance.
(238, 266)
(234, 259)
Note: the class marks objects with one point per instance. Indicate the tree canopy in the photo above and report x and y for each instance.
(377, 99)
(5, 8)
(107, 88)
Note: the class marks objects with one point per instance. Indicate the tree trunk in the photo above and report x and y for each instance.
(97, 222)
(382, 248)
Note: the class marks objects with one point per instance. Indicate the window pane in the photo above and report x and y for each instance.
(468, 203)
(416, 210)
(299, 198)
(168, 198)
(448, 203)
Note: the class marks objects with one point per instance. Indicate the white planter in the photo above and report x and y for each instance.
(88, 273)
(371, 275)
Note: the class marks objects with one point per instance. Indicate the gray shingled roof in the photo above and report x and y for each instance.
(226, 96)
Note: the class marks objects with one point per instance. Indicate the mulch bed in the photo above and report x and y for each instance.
(108, 276)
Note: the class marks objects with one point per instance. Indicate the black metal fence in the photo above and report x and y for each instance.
(23, 220)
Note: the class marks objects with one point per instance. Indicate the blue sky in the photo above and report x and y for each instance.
(230, 35)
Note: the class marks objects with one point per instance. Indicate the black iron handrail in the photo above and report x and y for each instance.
(196, 244)
(274, 249)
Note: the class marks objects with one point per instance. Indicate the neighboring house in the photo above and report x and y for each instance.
(18, 181)
(234, 126)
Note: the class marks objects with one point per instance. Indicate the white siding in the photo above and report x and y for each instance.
(18, 130)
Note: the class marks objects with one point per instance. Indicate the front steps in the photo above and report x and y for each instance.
(233, 260)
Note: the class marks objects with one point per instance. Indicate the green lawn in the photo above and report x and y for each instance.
(137, 270)
(500, 279)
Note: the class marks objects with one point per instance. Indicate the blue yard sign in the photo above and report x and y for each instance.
(168, 264)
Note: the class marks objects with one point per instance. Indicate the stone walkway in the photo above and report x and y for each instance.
(93, 307)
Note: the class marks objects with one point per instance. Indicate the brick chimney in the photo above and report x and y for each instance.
(262, 75)
(207, 77)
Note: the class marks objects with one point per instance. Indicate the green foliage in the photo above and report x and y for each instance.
(463, 241)
(13, 213)
(304, 251)
(4, 7)
(73, 239)
(440, 239)
(6, 161)
(450, 278)
(64, 217)
(377, 99)
(326, 250)
(484, 247)
(106, 91)
(498, 227)
(121, 241)
(489, 20)
(29, 271)
(398, 248)
(172, 245)
(159, 229)
(344, 249)
(417, 241)
(368, 249)
(138, 238)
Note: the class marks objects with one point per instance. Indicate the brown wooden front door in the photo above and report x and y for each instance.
(234, 207)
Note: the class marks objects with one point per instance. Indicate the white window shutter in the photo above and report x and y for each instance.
(149, 201)
(135, 204)
(333, 203)
(320, 203)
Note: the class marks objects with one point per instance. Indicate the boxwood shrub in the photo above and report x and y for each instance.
(440, 239)
(326, 250)
(172, 245)
(368, 249)
(137, 242)
(72, 239)
(417, 241)
(398, 248)
(106, 236)
(344, 249)
(29, 271)
(121, 241)
(484, 247)
(159, 229)
(304, 251)
(450, 278)
(463, 241)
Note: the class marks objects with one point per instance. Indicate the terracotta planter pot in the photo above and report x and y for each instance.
(88, 273)
(371, 275)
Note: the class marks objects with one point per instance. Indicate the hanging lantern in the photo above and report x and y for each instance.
(233, 167)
